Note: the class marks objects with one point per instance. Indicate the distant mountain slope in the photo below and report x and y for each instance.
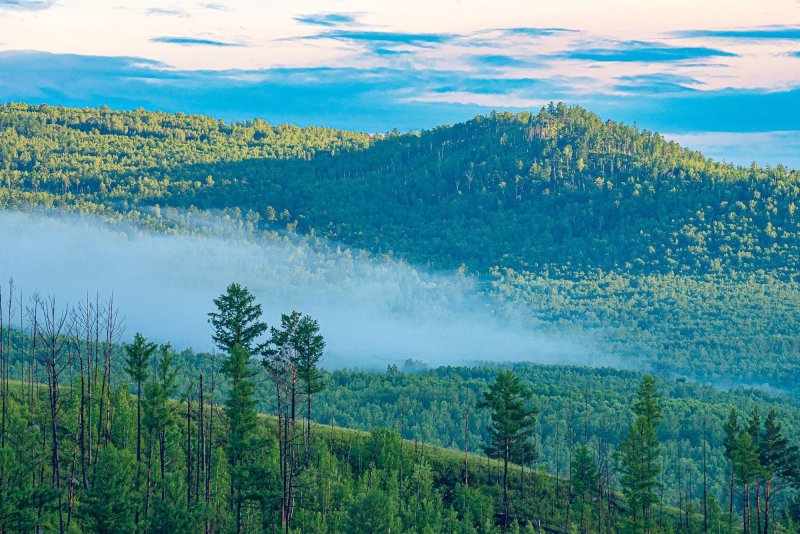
(558, 188)
(683, 263)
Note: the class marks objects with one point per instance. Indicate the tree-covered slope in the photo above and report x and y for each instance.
(560, 187)
(680, 262)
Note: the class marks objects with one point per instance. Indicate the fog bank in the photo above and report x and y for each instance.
(371, 311)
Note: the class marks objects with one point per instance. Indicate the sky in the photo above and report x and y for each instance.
(722, 76)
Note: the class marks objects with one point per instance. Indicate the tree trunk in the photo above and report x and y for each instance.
(189, 448)
(149, 476)
(161, 444)
(138, 443)
(768, 484)
(505, 483)
(210, 454)
(758, 506)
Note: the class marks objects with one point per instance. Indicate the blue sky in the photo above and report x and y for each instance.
(723, 77)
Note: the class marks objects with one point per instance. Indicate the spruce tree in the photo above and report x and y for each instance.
(309, 345)
(240, 409)
(237, 320)
(585, 479)
(512, 420)
(137, 358)
(639, 457)
(780, 461)
(731, 428)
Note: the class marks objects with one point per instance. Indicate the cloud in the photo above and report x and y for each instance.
(167, 11)
(657, 83)
(384, 38)
(736, 147)
(762, 32)
(193, 41)
(640, 51)
(536, 32)
(499, 60)
(380, 99)
(327, 19)
(26, 5)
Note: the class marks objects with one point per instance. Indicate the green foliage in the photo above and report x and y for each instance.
(512, 416)
(237, 320)
(240, 409)
(137, 357)
(110, 503)
(590, 223)
(639, 456)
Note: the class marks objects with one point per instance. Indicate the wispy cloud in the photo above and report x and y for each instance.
(499, 60)
(167, 11)
(379, 37)
(763, 32)
(327, 19)
(26, 5)
(193, 41)
(536, 32)
(379, 99)
(658, 83)
(641, 51)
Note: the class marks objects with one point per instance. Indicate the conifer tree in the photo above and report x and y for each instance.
(747, 469)
(731, 428)
(240, 409)
(512, 419)
(639, 457)
(780, 462)
(137, 359)
(109, 505)
(237, 320)
(585, 479)
(309, 345)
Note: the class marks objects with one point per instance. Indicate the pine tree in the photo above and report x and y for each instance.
(639, 457)
(779, 460)
(585, 480)
(109, 505)
(731, 429)
(309, 345)
(157, 417)
(512, 420)
(237, 320)
(747, 469)
(137, 359)
(240, 409)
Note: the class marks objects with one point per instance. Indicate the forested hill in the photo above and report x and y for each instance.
(681, 264)
(559, 188)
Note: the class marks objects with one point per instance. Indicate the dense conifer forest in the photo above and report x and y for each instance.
(684, 267)
(101, 436)
(584, 221)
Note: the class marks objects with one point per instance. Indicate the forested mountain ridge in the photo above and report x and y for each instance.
(559, 188)
(582, 221)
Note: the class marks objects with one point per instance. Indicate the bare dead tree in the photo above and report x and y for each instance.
(201, 441)
(54, 339)
(2, 372)
(83, 326)
(189, 447)
(210, 451)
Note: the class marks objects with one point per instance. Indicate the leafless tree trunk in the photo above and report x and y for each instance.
(189, 448)
(54, 338)
(210, 452)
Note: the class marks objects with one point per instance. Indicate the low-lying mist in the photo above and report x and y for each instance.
(371, 311)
